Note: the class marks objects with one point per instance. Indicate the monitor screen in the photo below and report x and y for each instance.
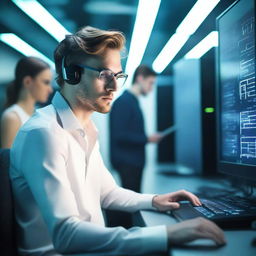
(237, 91)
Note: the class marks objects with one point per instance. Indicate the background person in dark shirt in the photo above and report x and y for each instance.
(127, 132)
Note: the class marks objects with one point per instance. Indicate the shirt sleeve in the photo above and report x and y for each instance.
(117, 198)
(43, 165)
(120, 117)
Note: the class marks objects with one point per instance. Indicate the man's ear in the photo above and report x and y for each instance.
(27, 82)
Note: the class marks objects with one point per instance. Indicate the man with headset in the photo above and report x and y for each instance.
(58, 177)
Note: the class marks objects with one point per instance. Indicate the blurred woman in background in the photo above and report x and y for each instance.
(32, 84)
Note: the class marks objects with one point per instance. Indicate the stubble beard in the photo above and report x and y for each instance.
(95, 105)
(92, 103)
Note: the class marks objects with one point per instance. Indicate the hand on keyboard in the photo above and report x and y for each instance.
(170, 201)
(190, 230)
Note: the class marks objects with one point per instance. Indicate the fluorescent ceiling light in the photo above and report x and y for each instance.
(169, 51)
(145, 19)
(211, 40)
(196, 16)
(41, 16)
(187, 27)
(22, 47)
(110, 8)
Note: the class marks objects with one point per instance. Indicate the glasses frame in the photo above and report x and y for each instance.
(101, 70)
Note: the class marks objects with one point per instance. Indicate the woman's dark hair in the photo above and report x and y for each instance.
(27, 66)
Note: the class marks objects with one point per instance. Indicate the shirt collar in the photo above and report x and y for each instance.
(66, 115)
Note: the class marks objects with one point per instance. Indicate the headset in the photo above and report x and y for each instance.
(70, 74)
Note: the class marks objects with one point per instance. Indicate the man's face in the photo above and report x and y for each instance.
(93, 94)
(146, 84)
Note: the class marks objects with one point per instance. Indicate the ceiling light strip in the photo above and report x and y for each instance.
(188, 26)
(24, 48)
(145, 19)
(169, 51)
(196, 16)
(211, 40)
(42, 17)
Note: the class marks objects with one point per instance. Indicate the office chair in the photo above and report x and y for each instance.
(7, 222)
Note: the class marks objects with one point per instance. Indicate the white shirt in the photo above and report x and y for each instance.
(23, 116)
(60, 184)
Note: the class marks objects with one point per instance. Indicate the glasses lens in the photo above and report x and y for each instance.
(107, 76)
(121, 80)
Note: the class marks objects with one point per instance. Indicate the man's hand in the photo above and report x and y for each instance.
(167, 202)
(193, 229)
(155, 138)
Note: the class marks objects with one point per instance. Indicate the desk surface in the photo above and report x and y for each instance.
(238, 242)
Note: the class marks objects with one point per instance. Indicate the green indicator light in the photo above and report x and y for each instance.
(209, 110)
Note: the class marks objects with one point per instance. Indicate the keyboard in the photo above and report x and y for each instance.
(228, 212)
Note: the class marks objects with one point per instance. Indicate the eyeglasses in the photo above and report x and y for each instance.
(107, 75)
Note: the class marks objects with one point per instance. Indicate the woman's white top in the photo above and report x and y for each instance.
(23, 116)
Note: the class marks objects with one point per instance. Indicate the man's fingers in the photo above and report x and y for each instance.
(169, 206)
(208, 229)
(216, 237)
(212, 236)
(218, 232)
(198, 202)
(194, 199)
(174, 206)
(191, 197)
(190, 230)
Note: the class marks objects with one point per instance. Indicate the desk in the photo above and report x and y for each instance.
(238, 242)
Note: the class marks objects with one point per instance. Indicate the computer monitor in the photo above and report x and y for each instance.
(236, 91)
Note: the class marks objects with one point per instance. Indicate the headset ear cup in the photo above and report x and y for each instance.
(73, 74)
(78, 74)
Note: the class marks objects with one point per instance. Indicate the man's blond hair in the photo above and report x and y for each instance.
(89, 41)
